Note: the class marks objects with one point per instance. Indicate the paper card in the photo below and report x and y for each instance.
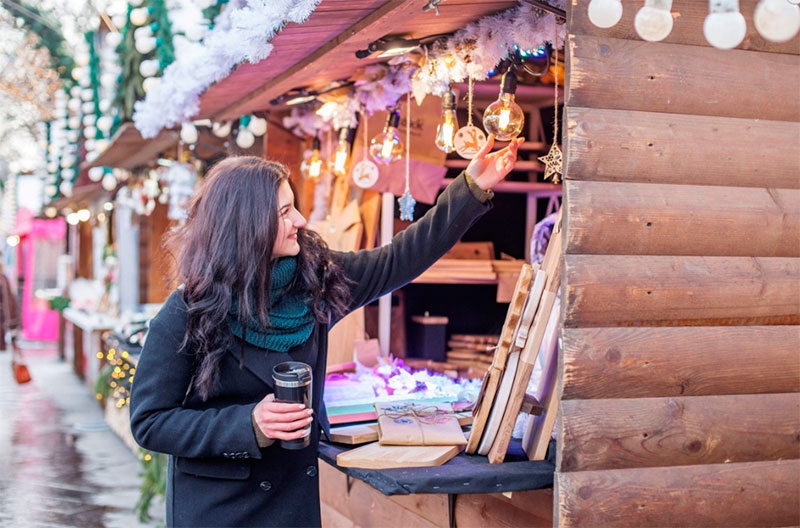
(417, 423)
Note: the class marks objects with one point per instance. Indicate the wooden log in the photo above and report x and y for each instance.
(654, 219)
(620, 290)
(681, 431)
(679, 361)
(650, 147)
(747, 494)
(678, 79)
(688, 27)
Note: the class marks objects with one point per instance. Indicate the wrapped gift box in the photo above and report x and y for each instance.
(415, 423)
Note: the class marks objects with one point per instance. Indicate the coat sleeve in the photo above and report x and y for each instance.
(382, 270)
(159, 420)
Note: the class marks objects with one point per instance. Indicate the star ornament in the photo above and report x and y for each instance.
(552, 164)
(407, 203)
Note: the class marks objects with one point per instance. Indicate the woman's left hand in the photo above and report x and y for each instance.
(487, 170)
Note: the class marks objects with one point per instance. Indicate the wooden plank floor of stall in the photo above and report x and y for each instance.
(347, 502)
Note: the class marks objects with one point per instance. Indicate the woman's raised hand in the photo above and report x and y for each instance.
(488, 168)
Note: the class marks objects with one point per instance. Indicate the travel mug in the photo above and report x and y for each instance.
(293, 385)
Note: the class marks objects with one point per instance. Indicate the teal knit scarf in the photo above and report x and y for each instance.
(290, 319)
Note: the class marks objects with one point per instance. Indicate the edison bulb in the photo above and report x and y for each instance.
(312, 167)
(725, 30)
(777, 20)
(504, 118)
(653, 22)
(386, 147)
(605, 13)
(448, 124)
(340, 157)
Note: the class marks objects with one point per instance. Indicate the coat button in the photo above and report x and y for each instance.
(266, 485)
(311, 471)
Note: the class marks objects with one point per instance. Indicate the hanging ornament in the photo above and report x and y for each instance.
(407, 202)
(777, 20)
(653, 21)
(724, 27)
(448, 124)
(554, 158)
(605, 13)
(365, 173)
(504, 117)
(340, 157)
(312, 167)
(386, 147)
(469, 139)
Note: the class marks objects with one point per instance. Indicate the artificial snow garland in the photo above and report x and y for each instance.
(241, 32)
(471, 53)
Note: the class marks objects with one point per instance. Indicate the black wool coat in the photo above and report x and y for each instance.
(217, 474)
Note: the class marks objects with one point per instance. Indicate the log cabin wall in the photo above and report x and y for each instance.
(680, 371)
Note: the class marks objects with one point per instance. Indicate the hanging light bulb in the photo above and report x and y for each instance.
(386, 147)
(312, 167)
(777, 20)
(605, 13)
(221, 129)
(342, 153)
(724, 27)
(448, 124)
(245, 139)
(504, 118)
(653, 22)
(188, 133)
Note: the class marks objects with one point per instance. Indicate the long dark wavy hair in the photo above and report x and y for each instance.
(224, 252)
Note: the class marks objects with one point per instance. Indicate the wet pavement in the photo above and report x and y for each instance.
(60, 463)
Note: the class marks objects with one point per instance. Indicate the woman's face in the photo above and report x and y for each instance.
(289, 221)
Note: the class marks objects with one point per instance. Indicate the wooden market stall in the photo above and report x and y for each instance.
(679, 374)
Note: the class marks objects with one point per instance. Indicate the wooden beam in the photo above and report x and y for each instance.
(634, 146)
(680, 79)
(680, 431)
(623, 290)
(656, 219)
(747, 494)
(650, 362)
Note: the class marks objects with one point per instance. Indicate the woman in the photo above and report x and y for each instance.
(260, 289)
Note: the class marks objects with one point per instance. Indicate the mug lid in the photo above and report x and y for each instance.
(292, 371)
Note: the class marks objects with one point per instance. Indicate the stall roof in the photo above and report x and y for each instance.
(128, 149)
(321, 51)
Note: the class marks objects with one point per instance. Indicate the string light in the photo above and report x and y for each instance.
(724, 27)
(386, 147)
(504, 117)
(342, 154)
(605, 13)
(777, 20)
(653, 21)
(312, 167)
(448, 124)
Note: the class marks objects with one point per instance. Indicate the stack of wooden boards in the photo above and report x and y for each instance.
(472, 351)
(532, 311)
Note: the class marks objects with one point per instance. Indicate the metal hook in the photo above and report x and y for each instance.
(432, 4)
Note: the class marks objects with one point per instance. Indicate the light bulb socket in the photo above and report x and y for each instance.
(449, 100)
(508, 84)
(393, 119)
(315, 143)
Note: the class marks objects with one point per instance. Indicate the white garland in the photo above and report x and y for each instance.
(242, 32)
(475, 50)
